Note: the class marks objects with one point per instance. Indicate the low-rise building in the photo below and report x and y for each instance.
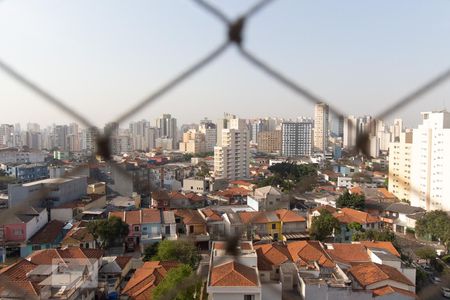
(267, 198)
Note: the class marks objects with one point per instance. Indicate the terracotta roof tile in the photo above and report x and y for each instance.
(189, 216)
(348, 215)
(381, 244)
(146, 278)
(48, 234)
(273, 254)
(369, 273)
(387, 290)
(151, 215)
(233, 274)
(211, 215)
(309, 251)
(122, 261)
(348, 253)
(287, 216)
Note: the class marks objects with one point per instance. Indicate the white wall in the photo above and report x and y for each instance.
(61, 214)
(35, 224)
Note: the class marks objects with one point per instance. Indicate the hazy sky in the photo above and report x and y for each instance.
(103, 56)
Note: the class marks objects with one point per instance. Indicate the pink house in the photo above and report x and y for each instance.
(22, 226)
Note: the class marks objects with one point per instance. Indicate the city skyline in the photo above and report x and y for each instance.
(117, 70)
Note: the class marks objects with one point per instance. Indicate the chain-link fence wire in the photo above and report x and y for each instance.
(234, 37)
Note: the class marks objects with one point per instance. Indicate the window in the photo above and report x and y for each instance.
(36, 247)
(249, 297)
(274, 226)
(136, 228)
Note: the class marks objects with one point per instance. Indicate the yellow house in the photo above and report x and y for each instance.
(265, 223)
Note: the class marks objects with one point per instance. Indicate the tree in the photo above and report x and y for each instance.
(150, 251)
(355, 226)
(106, 232)
(179, 284)
(323, 225)
(179, 250)
(354, 201)
(374, 235)
(434, 225)
(426, 252)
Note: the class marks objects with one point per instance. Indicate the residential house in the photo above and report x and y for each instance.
(401, 217)
(234, 276)
(50, 236)
(52, 274)
(347, 216)
(134, 220)
(169, 225)
(112, 272)
(293, 226)
(150, 226)
(160, 199)
(74, 210)
(146, 279)
(214, 222)
(191, 224)
(79, 236)
(267, 198)
(316, 213)
(16, 229)
(243, 184)
(262, 225)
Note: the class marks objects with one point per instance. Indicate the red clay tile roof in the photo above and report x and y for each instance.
(386, 194)
(211, 215)
(151, 215)
(14, 277)
(349, 215)
(190, 217)
(195, 197)
(78, 234)
(369, 273)
(177, 195)
(387, 289)
(233, 274)
(122, 261)
(348, 253)
(146, 278)
(305, 252)
(357, 190)
(18, 271)
(287, 216)
(50, 256)
(272, 254)
(383, 245)
(328, 208)
(48, 234)
(241, 182)
(231, 192)
(131, 217)
(258, 217)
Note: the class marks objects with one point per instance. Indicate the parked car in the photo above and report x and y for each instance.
(436, 280)
(445, 292)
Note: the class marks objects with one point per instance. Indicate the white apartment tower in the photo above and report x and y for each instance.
(231, 156)
(296, 138)
(400, 154)
(321, 124)
(430, 168)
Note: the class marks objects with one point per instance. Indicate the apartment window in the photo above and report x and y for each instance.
(274, 226)
(136, 228)
(249, 297)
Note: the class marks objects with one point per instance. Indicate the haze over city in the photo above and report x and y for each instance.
(100, 57)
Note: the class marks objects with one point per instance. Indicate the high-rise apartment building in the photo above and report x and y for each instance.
(7, 135)
(269, 141)
(193, 142)
(296, 138)
(209, 129)
(257, 127)
(350, 132)
(321, 124)
(430, 168)
(400, 155)
(231, 158)
(89, 140)
(168, 128)
(142, 136)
